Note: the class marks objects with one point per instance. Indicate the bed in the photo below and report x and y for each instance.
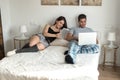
(49, 64)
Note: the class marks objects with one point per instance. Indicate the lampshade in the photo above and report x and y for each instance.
(111, 36)
(23, 29)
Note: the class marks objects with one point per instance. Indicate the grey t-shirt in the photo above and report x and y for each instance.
(77, 30)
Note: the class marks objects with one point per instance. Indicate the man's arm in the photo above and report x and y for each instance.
(70, 36)
(97, 42)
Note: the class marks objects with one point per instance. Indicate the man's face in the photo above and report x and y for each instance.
(82, 22)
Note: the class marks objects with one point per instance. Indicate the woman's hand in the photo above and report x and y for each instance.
(58, 35)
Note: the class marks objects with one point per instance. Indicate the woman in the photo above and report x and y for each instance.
(42, 40)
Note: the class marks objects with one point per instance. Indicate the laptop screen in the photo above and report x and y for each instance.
(87, 38)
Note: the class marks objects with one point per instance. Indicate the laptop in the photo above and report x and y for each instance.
(87, 38)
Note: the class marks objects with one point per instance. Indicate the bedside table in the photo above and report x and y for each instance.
(20, 40)
(106, 47)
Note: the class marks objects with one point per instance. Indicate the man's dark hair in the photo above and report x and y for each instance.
(81, 16)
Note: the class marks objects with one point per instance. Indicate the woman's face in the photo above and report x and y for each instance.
(59, 24)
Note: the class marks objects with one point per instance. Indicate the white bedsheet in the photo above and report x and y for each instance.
(49, 65)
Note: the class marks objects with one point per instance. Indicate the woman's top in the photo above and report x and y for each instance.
(50, 39)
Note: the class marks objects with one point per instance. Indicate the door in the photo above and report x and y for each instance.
(1, 40)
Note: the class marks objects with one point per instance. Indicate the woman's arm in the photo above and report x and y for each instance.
(45, 32)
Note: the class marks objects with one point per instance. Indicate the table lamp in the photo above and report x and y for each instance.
(111, 38)
(23, 30)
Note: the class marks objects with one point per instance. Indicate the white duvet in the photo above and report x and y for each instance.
(49, 65)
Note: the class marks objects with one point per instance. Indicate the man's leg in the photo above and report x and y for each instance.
(73, 50)
(70, 46)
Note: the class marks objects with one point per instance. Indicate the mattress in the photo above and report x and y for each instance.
(49, 64)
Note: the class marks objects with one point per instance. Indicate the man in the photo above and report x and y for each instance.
(72, 36)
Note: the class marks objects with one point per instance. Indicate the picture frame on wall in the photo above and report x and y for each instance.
(70, 2)
(91, 2)
(49, 2)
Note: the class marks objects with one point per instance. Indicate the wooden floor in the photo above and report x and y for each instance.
(109, 73)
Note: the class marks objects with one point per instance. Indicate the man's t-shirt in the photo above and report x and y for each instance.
(76, 30)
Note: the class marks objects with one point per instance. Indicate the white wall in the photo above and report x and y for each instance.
(5, 15)
(30, 12)
(118, 31)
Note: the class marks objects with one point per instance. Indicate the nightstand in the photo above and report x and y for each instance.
(106, 47)
(20, 40)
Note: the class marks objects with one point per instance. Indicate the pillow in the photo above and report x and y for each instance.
(59, 42)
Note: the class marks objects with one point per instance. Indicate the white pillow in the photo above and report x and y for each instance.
(59, 42)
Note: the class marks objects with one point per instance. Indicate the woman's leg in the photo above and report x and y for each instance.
(41, 46)
(29, 49)
(34, 40)
(34, 45)
(35, 48)
(26, 46)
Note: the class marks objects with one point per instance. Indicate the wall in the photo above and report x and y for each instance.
(31, 12)
(101, 18)
(5, 15)
(118, 31)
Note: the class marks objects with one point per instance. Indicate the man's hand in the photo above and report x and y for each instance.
(75, 38)
(71, 37)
